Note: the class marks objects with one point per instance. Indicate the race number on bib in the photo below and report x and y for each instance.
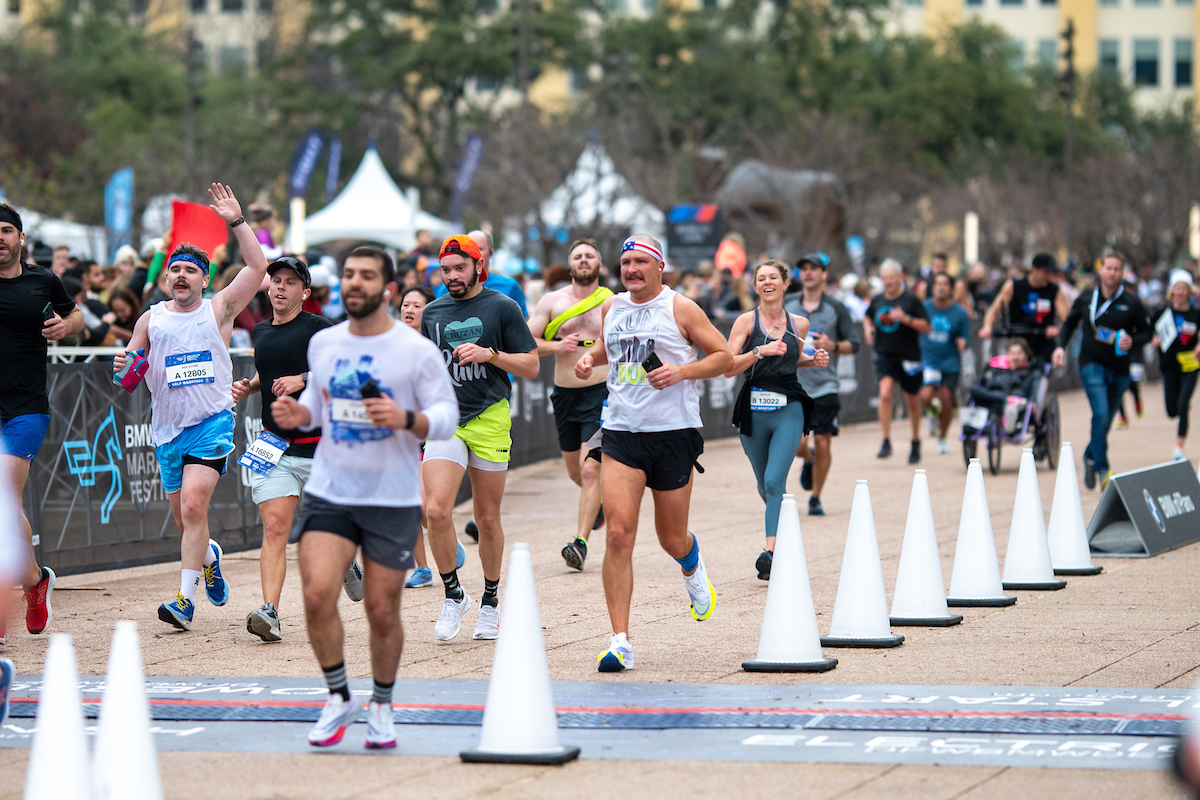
(349, 421)
(933, 375)
(188, 369)
(911, 367)
(762, 400)
(263, 454)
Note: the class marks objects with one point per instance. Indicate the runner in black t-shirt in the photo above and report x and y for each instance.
(893, 325)
(1032, 302)
(281, 364)
(34, 310)
(1180, 362)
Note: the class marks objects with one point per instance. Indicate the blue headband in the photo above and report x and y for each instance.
(190, 259)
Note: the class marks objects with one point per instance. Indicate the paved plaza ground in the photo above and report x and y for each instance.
(1137, 625)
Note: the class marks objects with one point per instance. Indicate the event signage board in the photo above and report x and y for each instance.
(1146, 512)
(693, 234)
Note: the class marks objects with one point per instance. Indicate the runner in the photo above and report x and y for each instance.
(34, 310)
(651, 439)
(1031, 302)
(894, 322)
(772, 412)
(831, 329)
(565, 323)
(365, 490)
(190, 377)
(1113, 322)
(941, 354)
(282, 459)
(1180, 358)
(938, 265)
(494, 280)
(483, 337)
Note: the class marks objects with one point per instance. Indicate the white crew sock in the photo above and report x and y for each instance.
(210, 554)
(189, 582)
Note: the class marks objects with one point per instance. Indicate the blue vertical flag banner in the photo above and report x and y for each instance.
(118, 210)
(304, 163)
(335, 167)
(468, 163)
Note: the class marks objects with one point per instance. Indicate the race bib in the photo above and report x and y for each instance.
(605, 413)
(910, 367)
(763, 400)
(263, 454)
(975, 417)
(349, 422)
(188, 369)
(349, 412)
(1187, 361)
(933, 375)
(1105, 335)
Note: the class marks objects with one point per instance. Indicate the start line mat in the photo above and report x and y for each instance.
(965, 725)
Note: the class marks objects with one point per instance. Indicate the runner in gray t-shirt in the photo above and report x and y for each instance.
(830, 329)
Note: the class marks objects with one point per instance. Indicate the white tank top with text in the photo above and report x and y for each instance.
(631, 332)
(190, 375)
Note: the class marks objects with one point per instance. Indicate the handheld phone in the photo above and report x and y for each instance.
(651, 363)
(48, 312)
(370, 389)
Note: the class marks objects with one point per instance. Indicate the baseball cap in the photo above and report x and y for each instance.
(295, 265)
(463, 245)
(1044, 261)
(818, 259)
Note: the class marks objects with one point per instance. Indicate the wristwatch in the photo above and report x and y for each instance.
(495, 355)
(412, 419)
(757, 354)
(304, 377)
(239, 221)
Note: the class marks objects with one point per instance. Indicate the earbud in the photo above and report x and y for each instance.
(387, 292)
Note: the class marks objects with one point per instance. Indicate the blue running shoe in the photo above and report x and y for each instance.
(215, 585)
(6, 679)
(421, 577)
(178, 612)
(460, 557)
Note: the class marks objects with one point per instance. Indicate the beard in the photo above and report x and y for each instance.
(458, 293)
(370, 302)
(583, 276)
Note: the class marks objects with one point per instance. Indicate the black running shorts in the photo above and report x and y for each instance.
(825, 414)
(909, 374)
(667, 457)
(387, 535)
(577, 414)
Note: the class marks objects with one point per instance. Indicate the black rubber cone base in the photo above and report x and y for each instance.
(551, 758)
(927, 622)
(824, 665)
(1042, 586)
(980, 602)
(839, 641)
(1079, 571)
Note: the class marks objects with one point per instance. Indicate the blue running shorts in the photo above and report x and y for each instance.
(207, 441)
(22, 435)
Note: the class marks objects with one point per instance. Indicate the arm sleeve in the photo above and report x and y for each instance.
(1072, 321)
(313, 398)
(846, 331)
(436, 398)
(59, 299)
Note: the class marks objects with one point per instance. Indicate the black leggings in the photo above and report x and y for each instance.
(1177, 392)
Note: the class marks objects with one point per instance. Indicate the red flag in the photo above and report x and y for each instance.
(196, 224)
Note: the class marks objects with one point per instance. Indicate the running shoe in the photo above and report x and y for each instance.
(460, 556)
(1089, 472)
(336, 716)
(450, 620)
(1137, 407)
(264, 623)
(599, 523)
(178, 612)
(1122, 423)
(352, 583)
(806, 473)
(381, 726)
(215, 585)
(618, 657)
(1107, 478)
(487, 622)
(763, 565)
(815, 509)
(420, 578)
(700, 592)
(575, 553)
(1179, 456)
(885, 450)
(37, 602)
(6, 678)
(472, 530)
(914, 454)
(943, 447)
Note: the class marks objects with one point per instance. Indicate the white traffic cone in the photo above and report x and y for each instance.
(975, 579)
(920, 596)
(1027, 559)
(58, 761)
(125, 763)
(860, 612)
(789, 641)
(519, 725)
(1067, 532)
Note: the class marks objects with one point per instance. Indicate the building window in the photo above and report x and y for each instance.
(233, 6)
(1012, 2)
(1183, 62)
(975, 3)
(1110, 56)
(1145, 62)
(710, 3)
(199, 6)
(1047, 50)
(1183, 2)
(232, 57)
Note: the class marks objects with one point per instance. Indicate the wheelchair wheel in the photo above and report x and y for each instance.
(1052, 423)
(993, 448)
(969, 446)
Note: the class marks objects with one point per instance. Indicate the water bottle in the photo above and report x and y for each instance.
(134, 370)
(1117, 342)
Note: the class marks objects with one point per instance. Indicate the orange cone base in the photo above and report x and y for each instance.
(824, 665)
(980, 602)
(839, 641)
(1043, 586)
(552, 758)
(1079, 571)
(926, 622)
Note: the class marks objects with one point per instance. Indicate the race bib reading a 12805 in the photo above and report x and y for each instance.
(188, 369)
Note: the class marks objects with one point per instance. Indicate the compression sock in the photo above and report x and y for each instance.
(210, 555)
(189, 582)
(335, 678)
(692, 559)
(490, 588)
(382, 693)
(450, 580)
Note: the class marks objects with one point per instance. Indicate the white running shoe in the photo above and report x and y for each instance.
(336, 716)
(264, 623)
(618, 657)
(450, 620)
(352, 583)
(701, 593)
(381, 727)
(943, 447)
(487, 624)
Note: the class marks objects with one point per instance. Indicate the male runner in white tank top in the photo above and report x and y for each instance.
(651, 438)
(190, 379)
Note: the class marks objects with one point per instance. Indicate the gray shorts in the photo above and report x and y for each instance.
(286, 480)
(387, 535)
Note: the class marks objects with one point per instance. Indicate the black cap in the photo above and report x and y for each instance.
(295, 265)
(816, 259)
(1044, 261)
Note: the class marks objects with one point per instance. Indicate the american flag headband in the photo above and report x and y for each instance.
(645, 248)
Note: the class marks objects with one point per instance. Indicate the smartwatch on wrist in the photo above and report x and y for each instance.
(412, 419)
(495, 355)
(239, 221)
(757, 354)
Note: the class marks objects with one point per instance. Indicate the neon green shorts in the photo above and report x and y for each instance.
(483, 443)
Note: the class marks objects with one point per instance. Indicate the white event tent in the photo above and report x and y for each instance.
(86, 241)
(371, 207)
(595, 195)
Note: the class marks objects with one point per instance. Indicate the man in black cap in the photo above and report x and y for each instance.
(1033, 302)
(281, 460)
